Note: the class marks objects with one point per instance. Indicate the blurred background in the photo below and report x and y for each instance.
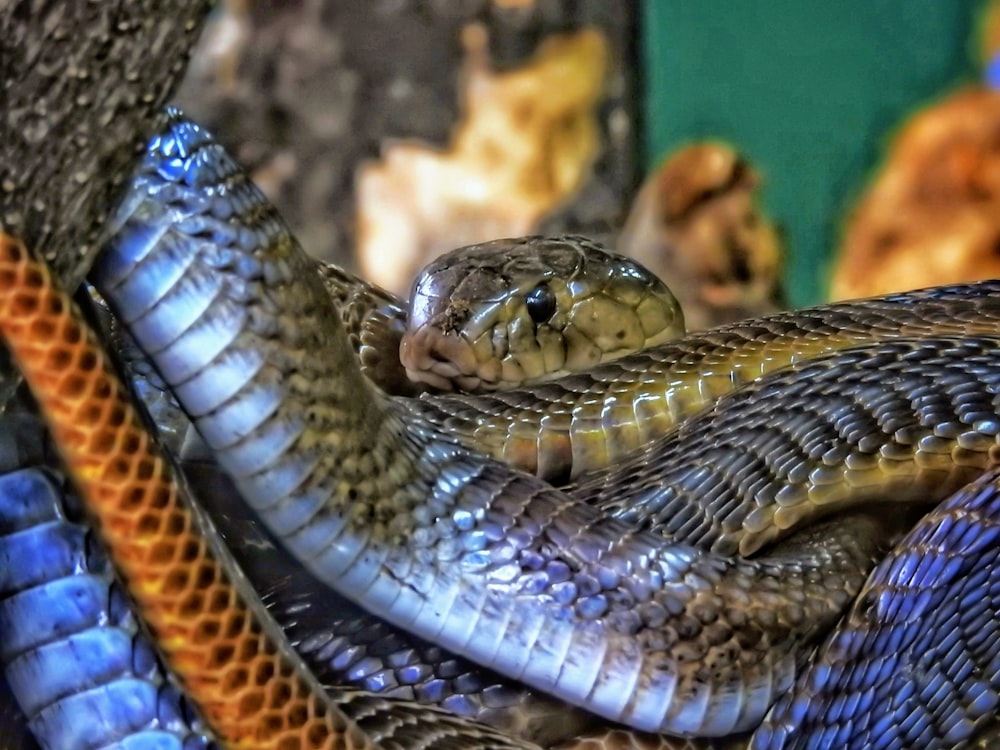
(755, 155)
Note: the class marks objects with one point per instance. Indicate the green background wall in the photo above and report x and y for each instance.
(809, 91)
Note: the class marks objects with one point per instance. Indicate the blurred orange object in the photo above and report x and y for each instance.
(526, 142)
(932, 215)
(696, 223)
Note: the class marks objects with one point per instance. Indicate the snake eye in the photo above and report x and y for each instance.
(541, 303)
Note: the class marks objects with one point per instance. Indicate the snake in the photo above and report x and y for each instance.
(495, 315)
(563, 285)
(439, 452)
(75, 656)
(526, 310)
(574, 262)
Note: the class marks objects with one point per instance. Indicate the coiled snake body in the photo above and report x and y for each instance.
(127, 59)
(395, 513)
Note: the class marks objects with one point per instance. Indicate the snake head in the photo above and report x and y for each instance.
(502, 313)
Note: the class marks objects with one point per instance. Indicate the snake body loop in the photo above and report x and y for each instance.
(155, 69)
(83, 673)
(966, 395)
(917, 657)
(344, 645)
(587, 422)
(395, 514)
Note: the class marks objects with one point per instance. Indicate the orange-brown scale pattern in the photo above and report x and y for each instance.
(248, 691)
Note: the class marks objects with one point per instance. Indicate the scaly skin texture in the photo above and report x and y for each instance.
(437, 539)
(916, 660)
(72, 651)
(559, 428)
(249, 692)
(529, 309)
(590, 421)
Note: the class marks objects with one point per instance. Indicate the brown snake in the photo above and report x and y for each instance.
(561, 466)
(509, 539)
(116, 109)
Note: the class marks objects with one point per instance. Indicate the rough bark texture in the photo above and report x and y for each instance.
(82, 84)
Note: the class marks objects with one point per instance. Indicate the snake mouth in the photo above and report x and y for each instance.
(446, 361)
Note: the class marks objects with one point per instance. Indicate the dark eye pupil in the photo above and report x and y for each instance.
(541, 303)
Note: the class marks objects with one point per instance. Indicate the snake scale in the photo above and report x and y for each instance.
(938, 525)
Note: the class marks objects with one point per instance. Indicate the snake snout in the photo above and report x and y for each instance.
(444, 361)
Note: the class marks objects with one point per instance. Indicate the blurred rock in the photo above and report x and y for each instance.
(697, 224)
(526, 140)
(932, 214)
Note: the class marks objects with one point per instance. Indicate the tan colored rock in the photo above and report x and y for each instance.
(697, 224)
(932, 214)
